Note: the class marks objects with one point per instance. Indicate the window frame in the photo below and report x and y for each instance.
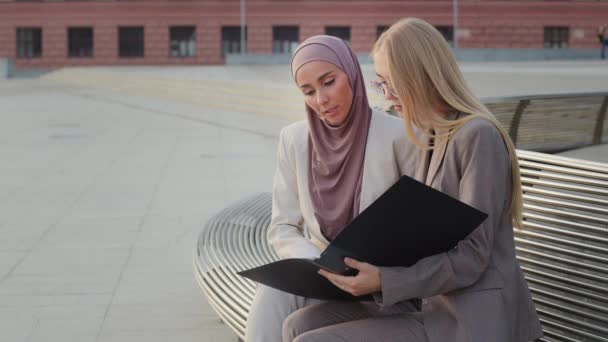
(183, 37)
(131, 52)
(337, 33)
(87, 40)
(292, 44)
(33, 44)
(234, 43)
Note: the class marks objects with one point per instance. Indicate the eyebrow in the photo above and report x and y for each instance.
(382, 77)
(319, 78)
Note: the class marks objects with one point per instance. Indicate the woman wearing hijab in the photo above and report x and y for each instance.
(475, 292)
(329, 168)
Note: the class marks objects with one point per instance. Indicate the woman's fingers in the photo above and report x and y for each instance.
(334, 278)
(340, 281)
(358, 265)
(365, 282)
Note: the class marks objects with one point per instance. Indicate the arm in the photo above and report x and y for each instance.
(285, 232)
(484, 166)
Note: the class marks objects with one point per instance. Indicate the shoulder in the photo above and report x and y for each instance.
(294, 133)
(477, 130)
(385, 119)
(479, 137)
(387, 125)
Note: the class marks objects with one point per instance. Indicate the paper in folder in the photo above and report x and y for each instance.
(410, 221)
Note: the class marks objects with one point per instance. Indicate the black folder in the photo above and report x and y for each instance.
(410, 221)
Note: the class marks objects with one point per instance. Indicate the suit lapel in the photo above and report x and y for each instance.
(424, 157)
(439, 152)
(437, 158)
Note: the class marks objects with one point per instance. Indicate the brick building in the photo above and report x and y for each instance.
(54, 33)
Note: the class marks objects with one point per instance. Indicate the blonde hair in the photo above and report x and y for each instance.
(427, 79)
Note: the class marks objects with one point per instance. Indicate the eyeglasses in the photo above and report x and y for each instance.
(382, 88)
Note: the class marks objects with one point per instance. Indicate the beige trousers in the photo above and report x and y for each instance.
(354, 322)
(269, 309)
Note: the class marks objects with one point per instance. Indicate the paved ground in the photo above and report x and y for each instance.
(108, 175)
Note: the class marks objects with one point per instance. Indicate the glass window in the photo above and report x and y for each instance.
(29, 42)
(447, 32)
(131, 41)
(380, 30)
(231, 39)
(342, 32)
(80, 42)
(285, 39)
(182, 41)
(556, 37)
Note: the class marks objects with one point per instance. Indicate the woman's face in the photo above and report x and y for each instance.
(381, 66)
(326, 90)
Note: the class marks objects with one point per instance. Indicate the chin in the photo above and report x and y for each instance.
(338, 123)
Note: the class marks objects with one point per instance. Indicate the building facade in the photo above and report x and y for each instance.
(52, 33)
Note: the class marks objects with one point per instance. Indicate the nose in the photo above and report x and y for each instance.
(322, 98)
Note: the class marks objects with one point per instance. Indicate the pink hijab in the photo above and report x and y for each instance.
(335, 154)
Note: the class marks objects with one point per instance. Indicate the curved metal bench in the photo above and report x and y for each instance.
(233, 240)
(563, 249)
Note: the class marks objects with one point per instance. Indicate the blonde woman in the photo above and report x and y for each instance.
(475, 292)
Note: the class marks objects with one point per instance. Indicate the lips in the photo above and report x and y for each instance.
(397, 107)
(331, 111)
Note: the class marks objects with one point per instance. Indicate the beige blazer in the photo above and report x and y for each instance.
(294, 231)
(475, 292)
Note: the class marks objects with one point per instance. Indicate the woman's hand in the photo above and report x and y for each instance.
(365, 282)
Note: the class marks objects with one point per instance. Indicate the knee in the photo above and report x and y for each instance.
(303, 326)
(271, 301)
(271, 294)
(290, 330)
(294, 325)
(266, 314)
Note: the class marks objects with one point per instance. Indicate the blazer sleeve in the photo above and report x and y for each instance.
(286, 230)
(483, 163)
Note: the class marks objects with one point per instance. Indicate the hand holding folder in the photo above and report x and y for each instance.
(409, 222)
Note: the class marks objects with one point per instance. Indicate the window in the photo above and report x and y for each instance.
(182, 41)
(447, 32)
(131, 41)
(380, 30)
(285, 39)
(342, 32)
(29, 42)
(556, 37)
(80, 42)
(231, 39)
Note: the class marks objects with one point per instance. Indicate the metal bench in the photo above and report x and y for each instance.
(233, 240)
(551, 123)
(563, 249)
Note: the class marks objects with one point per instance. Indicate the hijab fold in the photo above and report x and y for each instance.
(335, 153)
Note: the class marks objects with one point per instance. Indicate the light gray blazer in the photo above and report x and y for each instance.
(294, 231)
(476, 292)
